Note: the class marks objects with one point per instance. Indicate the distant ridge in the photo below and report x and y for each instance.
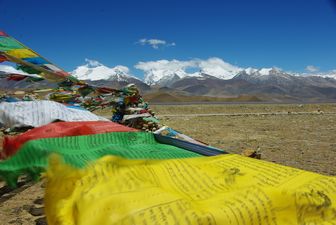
(158, 97)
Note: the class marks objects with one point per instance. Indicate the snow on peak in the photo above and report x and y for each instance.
(164, 72)
(330, 74)
(250, 70)
(94, 70)
(263, 71)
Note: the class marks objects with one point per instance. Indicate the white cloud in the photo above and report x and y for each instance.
(218, 68)
(155, 43)
(92, 63)
(172, 65)
(312, 69)
(163, 69)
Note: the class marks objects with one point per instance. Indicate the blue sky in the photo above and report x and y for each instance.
(290, 34)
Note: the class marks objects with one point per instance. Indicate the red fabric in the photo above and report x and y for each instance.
(62, 73)
(3, 34)
(11, 144)
(2, 58)
(106, 90)
(16, 77)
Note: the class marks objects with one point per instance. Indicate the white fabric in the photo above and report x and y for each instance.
(5, 74)
(133, 116)
(38, 113)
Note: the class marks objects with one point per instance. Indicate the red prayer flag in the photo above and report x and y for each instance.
(16, 77)
(2, 58)
(3, 34)
(60, 129)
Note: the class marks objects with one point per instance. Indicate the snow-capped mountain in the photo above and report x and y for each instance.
(274, 80)
(98, 74)
(267, 73)
(93, 71)
(218, 68)
(331, 74)
(274, 75)
(165, 72)
(166, 77)
(261, 72)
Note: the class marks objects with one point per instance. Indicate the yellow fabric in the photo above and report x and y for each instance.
(227, 189)
(22, 53)
(51, 77)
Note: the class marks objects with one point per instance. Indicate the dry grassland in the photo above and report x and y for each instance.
(306, 141)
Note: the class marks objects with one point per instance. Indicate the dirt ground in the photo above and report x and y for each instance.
(297, 135)
(17, 207)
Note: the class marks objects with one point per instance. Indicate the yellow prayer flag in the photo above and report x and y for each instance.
(226, 189)
(22, 53)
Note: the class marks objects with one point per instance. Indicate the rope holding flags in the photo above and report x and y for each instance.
(14, 51)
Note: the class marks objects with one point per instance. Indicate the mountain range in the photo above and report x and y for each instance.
(269, 84)
(228, 81)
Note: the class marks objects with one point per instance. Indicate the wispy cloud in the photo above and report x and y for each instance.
(312, 69)
(155, 43)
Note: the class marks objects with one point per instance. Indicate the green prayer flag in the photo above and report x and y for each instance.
(32, 158)
(8, 43)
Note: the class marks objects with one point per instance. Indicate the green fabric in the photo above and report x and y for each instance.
(27, 69)
(8, 43)
(34, 79)
(85, 90)
(151, 119)
(32, 158)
